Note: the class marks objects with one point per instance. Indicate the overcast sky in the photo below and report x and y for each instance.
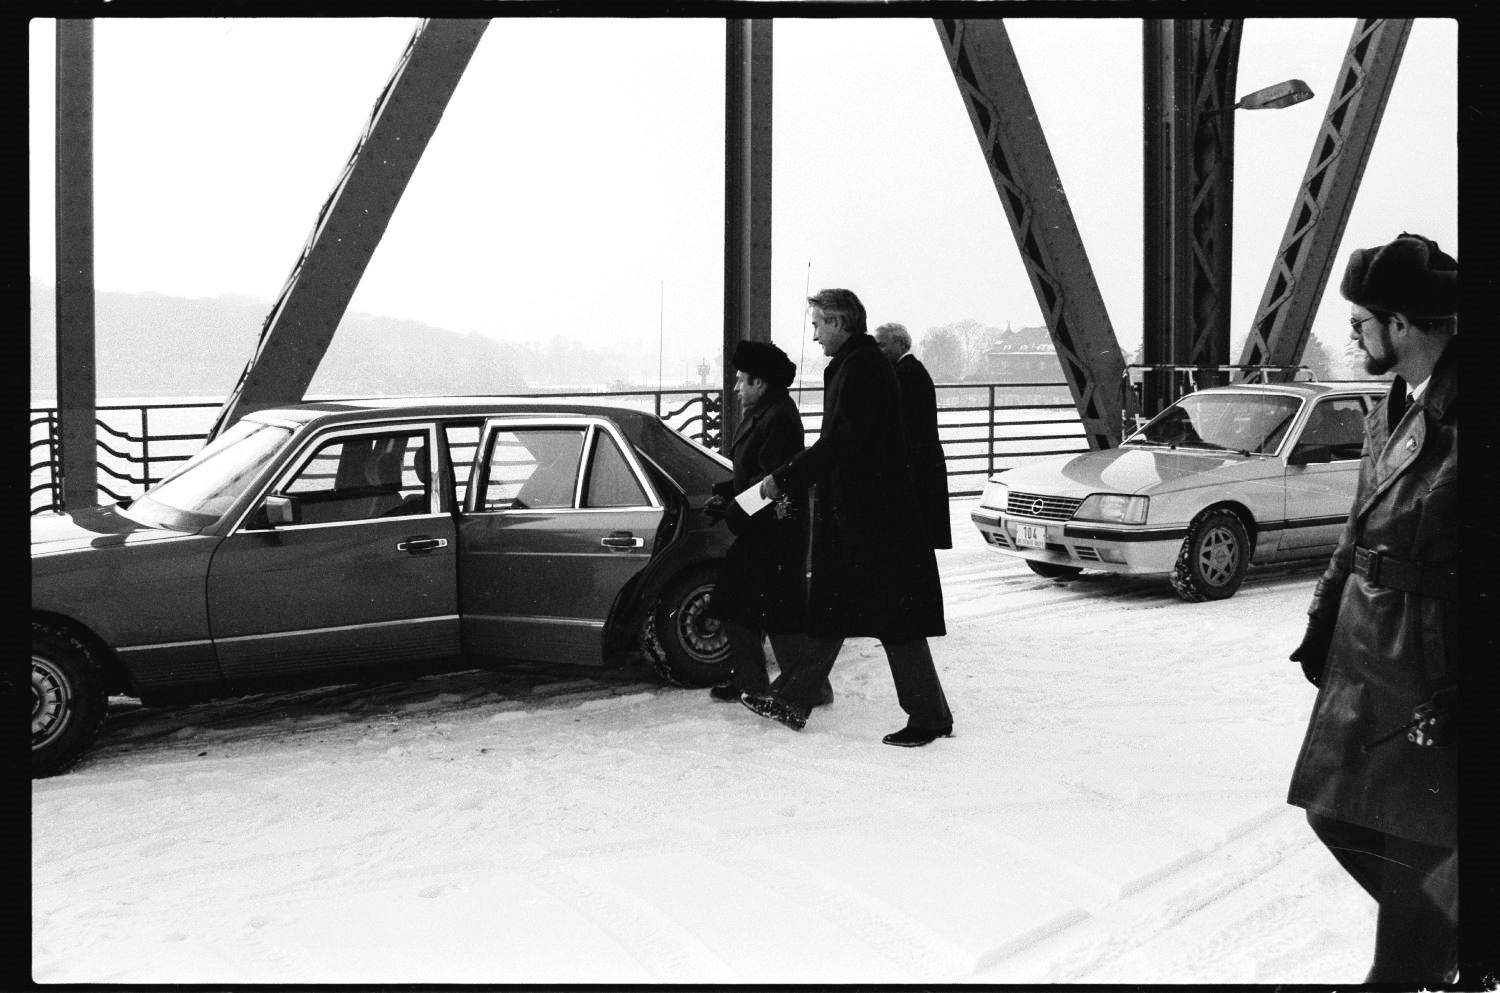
(575, 185)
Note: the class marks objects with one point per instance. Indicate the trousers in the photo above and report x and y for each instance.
(747, 660)
(1416, 929)
(918, 689)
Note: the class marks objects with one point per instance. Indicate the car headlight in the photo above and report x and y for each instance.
(994, 496)
(1115, 508)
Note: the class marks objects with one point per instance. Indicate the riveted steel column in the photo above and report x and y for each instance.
(1010, 136)
(1300, 272)
(1188, 75)
(76, 400)
(353, 220)
(747, 198)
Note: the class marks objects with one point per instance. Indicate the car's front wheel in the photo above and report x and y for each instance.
(1051, 570)
(68, 699)
(1213, 559)
(685, 646)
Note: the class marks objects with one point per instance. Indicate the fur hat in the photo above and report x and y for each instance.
(764, 360)
(1411, 275)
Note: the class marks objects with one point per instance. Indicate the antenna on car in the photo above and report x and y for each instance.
(661, 325)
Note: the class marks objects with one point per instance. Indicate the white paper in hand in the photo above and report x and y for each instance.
(750, 501)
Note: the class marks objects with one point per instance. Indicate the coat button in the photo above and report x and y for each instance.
(1411, 444)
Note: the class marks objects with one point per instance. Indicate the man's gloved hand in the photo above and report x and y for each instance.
(716, 506)
(1437, 720)
(1313, 652)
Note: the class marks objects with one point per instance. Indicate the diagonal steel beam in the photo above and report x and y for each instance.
(1010, 136)
(302, 322)
(1303, 262)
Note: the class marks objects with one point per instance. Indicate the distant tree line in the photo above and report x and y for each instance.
(150, 344)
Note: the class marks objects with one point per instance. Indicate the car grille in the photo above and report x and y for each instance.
(1048, 508)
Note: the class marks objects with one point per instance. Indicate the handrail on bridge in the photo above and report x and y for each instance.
(980, 425)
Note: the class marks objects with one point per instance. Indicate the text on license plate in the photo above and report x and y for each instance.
(1031, 536)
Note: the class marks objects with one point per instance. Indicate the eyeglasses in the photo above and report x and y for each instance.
(1357, 323)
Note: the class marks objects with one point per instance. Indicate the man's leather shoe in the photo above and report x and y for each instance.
(910, 737)
(777, 709)
(724, 693)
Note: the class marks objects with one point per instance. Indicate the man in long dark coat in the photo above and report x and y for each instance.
(929, 466)
(1377, 772)
(758, 590)
(870, 571)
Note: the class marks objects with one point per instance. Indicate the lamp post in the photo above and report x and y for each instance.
(1189, 160)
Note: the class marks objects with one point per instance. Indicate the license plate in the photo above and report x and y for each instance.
(1031, 536)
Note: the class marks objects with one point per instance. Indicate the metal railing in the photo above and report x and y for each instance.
(982, 427)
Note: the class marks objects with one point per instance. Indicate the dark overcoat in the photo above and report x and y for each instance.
(759, 582)
(869, 569)
(929, 466)
(1395, 634)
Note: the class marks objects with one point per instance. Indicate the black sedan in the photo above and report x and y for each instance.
(326, 542)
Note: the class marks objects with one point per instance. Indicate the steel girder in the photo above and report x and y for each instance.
(747, 201)
(76, 400)
(1188, 75)
(1303, 262)
(301, 324)
(1010, 136)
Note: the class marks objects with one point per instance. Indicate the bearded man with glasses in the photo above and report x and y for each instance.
(1377, 772)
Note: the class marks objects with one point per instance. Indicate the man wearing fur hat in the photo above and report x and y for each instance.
(758, 591)
(1377, 770)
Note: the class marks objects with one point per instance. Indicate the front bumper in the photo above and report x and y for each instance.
(1102, 547)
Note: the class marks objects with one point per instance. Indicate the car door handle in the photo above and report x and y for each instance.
(415, 546)
(622, 539)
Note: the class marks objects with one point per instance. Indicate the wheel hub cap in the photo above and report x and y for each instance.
(702, 634)
(1220, 557)
(49, 701)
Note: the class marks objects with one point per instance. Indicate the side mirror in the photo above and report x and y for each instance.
(1307, 454)
(280, 510)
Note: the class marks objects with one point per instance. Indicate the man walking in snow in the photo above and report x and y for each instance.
(1377, 772)
(758, 590)
(870, 569)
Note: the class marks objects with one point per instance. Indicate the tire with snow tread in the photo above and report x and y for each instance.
(69, 699)
(1214, 557)
(685, 647)
(1051, 570)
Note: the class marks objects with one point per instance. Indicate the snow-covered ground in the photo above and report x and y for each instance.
(1110, 809)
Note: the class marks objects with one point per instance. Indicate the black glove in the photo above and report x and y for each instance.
(1313, 652)
(1436, 720)
(715, 506)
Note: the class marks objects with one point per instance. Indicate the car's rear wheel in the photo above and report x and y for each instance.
(684, 645)
(68, 699)
(1051, 570)
(1213, 559)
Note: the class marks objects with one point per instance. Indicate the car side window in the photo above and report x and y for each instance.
(610, 481)
(532, 469)
(1339, 423)
(361, 477)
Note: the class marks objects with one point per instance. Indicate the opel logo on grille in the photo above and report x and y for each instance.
(1037, 506)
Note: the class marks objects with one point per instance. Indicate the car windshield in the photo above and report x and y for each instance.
(201, 491)
(1251, 423)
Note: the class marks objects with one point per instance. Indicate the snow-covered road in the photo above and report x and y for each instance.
(1110, 809)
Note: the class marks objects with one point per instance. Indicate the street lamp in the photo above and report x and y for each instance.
(1283, 94)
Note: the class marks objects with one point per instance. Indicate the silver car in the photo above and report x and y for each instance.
(1222, 478)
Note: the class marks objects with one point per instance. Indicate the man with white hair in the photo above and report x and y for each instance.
(929, 467)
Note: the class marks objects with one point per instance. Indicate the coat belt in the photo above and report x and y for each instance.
(1423, 578)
